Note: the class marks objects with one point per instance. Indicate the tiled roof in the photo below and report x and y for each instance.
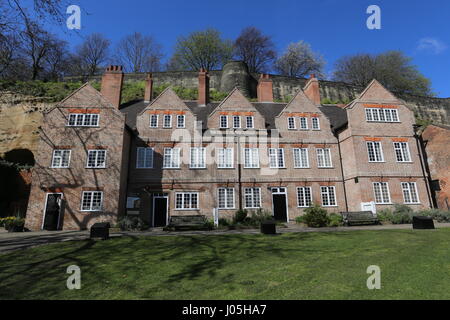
(336, 115)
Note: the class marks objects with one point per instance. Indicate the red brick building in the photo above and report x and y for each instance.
(164, 157)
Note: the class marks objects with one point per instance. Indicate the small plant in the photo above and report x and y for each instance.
(224, 222)
(209, 224)
(437, 214)
(128, 223)
(385, 215)
(240, 216)
(300, 219)
(13, 224)
(316, 217)
(336, 220)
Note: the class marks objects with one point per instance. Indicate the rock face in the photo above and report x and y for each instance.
(235, 74)
(20, 118)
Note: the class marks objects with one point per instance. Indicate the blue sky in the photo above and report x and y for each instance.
(334, 28)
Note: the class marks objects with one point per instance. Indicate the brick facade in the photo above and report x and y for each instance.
(149, 186)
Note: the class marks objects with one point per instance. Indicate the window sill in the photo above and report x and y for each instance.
(413, 203)
(330, 206)
(91, 210)
(325, 168)
(59, 167)
(302, 168)
(405, 162)
(226, 208)
(226, 168)
(96, 168)
(187, 209)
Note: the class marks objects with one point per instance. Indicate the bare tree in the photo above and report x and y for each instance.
(8, 48)
(37, 44)
(56, 61)
(393, 69)
(202, 49)
(92, 53)
(299, 60)
(139, 53)
(255, 49)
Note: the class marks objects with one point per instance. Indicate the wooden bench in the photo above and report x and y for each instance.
(180, 223)
(361, 217)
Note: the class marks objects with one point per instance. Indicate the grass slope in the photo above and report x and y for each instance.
(414, 265)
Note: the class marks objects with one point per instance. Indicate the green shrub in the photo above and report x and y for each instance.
(437, 214)
(129, 223)
(209, 224)
(316, 217)
(224, 222)
(4, 221)
(240, 216)
(14, 223)
(300, 219)
(260, 215)
(385, 215)
(336, 220)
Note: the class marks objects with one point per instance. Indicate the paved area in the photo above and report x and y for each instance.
(15, 241)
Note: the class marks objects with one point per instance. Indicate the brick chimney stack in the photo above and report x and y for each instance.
(148, 88)
(312, 89)
(112, 82)
(203, 87)
(265, 89)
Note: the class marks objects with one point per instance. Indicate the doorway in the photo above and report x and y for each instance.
(160, 208)
(52, 213)
(279, 204)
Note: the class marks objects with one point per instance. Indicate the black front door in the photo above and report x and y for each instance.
(279, 207)
(160, 212)
(52, 211)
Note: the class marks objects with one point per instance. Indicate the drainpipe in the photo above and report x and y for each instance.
(239, 171)
(426, 178)
(342, 172)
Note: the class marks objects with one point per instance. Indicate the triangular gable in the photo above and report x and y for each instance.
(85, 96)
(167, 100)
(300, 103)
(376, 91)
(235, 101)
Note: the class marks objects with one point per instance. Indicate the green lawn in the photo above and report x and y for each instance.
(414, 265)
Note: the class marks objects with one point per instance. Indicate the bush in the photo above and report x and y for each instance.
(385, 215)
(300, 219)
(316, 217)
(209, 224)
(240, 216)
(260, 215)
(436, 214)
(128, 223)
(336, 220)
(14, 224)
(224, 222)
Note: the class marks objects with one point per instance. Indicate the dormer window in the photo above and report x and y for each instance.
(381, 115)
(167, 121)
(236, 122)
(223, 122)
(291, 123)
(154, 121)
(83, 120)
(315, 123)
(303, 123)
(250, 122)
(181, 121)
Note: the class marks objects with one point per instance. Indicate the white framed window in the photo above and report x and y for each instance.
(381, 191)
(144, 159)
(92, 201)
(301, 158)
(61, 158)
(96, 159)
(328, 196)
(303, 123)
(154, 121)
(236, 122)
(198, 158)
(252, 198)
(250, 122)
(375, 151)
(381, 115)
(225, 158)
(410, 192)
(167, 121)
(291, 123)
(83, 120)
(276, 158)
(223, 122)
(251, 158)
(181, 121)
(171, 158)
(324, 158)
(402, 151)
(315, 123)
(226, 198)
(304, 197)
(186, 201)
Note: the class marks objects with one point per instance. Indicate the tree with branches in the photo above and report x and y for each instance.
(299, 60)
(92, 54)
(255, 49)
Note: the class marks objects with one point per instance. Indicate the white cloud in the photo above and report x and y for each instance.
(432, 45)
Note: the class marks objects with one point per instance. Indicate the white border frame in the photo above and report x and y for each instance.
(285, 193)
(45, 209)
